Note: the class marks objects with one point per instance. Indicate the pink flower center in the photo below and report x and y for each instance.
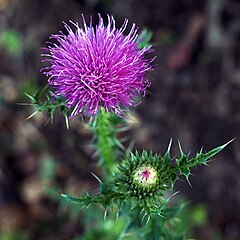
(145, 175)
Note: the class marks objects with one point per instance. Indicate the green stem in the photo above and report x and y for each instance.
(106, 142)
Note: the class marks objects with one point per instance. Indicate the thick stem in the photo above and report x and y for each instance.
(106, 142)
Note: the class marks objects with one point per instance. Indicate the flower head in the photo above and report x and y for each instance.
(95, 67)
(141, 175)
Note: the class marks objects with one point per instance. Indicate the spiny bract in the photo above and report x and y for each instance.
(145, 175)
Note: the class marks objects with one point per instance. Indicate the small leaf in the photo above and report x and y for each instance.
(11, 41)
(33, 99)
(201, 158)
(183, 163)
(164, 204)
(167, 155)
(72, 199)
(49, 105)
(144, 38)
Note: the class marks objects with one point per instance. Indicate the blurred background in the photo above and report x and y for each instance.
(194, 98)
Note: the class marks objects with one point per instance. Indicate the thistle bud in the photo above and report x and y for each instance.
(143, 179)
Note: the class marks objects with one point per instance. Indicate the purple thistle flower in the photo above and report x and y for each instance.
(94, 67)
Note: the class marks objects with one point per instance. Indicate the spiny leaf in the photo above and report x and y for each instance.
(201, 158)
(84, 201)
(167, 155)
(185, 164)
(49, 105)
(33, 99)
(164, 204)
(72, 199)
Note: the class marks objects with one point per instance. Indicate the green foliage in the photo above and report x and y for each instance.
(199, 215)
(105, 230)
(28, 86)
(184, 163)
(106, 142)
(11, 41)
(189, 218)
(149, 200)
(158, 230)
(145, 206)
(13, 235)
(48, 105)
(144, 38)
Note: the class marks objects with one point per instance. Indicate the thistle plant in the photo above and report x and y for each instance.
(100, 73)
(143, 180)
(94, 67)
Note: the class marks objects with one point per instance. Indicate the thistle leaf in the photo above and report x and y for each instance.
(167, 155)
(185, 164)
(201, 158)
(84, 201)
(49, 105)
(72, 199)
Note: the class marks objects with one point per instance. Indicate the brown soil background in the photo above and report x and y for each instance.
(194, 98)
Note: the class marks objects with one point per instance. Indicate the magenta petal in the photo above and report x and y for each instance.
(94, 67)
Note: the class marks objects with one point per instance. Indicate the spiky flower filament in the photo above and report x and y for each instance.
(97, 66)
